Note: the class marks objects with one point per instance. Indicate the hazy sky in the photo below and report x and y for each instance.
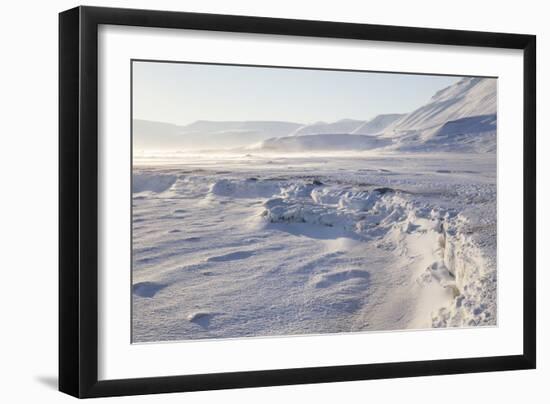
(182, 93)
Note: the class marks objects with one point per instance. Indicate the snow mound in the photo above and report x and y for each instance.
(459, 268)
(147, 289)
(297, 190)
(152, 182)
(247, 188)
(361, 201)
(475, 283)
(280, 210)
(368, 214)
(200, 318)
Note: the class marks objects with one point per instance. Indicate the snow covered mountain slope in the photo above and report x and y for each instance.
(471, 96)
(475, 134)
(319, 128)
(377, 125)
(460, 118)
(374, 126)
(324, 142)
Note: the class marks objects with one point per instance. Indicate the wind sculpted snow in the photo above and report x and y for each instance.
(300, 245)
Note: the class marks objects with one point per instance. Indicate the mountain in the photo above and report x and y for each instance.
(471, 96)
(458, 118)
(155, 135)
(475, 134)
(461, 117)
(265, 128)
(206, 134)
(377, 125)
(342, 126)
(323, 142)
(374, 126)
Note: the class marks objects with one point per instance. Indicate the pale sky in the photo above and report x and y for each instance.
(182, 93)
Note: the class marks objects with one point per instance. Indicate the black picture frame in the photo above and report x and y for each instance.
(78, 201)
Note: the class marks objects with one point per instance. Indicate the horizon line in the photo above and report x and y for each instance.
(270, 120)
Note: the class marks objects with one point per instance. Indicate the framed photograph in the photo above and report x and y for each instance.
(250, 201)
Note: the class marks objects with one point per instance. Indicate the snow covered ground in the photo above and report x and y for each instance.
(385, 224)
(263, 244)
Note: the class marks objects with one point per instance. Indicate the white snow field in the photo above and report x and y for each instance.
(291, 245)
(370, 230)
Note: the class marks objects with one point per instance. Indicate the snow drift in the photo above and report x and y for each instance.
(352, 244)
(153, 182)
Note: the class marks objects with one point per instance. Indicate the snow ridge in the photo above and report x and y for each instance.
(352, 244)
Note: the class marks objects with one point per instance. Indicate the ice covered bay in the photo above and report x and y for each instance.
(235, 245)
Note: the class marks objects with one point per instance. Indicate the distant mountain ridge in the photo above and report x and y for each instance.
(324, 142)
(219, 134)
(276, 128)
(377, 125)
(461, 117)
(319, 128)
(206, 134)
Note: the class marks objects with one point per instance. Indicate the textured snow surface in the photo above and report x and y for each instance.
(264, 244)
